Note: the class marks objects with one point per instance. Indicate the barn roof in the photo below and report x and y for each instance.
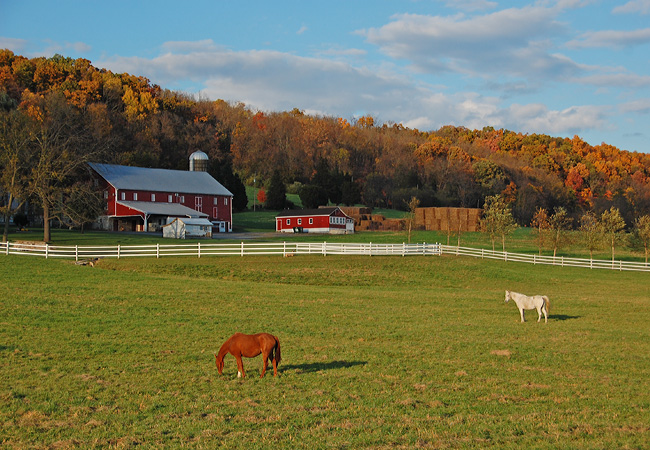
(309, 212)
(159, 180)
(163, 209)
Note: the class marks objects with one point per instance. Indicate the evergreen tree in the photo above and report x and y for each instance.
(276, 197)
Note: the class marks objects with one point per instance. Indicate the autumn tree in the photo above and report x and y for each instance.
(62, 145)
(591, 232)
(15, 141)
(642, 233)
(613, 225)
(541, 225)
(559, 224)
(497, 219)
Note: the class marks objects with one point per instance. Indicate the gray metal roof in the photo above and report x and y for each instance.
(162, 209)
(159, 180)
(326, 211)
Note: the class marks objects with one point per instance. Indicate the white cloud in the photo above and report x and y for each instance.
(611, 38)
(471, 5)
(634, 6)
(515, 42)
(15, 45)
(302, 30)
(275, 81)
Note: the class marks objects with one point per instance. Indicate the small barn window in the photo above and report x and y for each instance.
(105, 194)
(299, 221)
(182, 199)
(225, 201)
(288, 221)
(169, 198)
(153, 197)
(135, 196)
(215, 201)
(311, 221)
(123, 196)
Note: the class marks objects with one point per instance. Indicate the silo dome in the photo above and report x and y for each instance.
(198, 162)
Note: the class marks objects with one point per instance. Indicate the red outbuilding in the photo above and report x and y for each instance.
(142, 199)
(322, 220)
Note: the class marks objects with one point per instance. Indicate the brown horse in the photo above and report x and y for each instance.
(249, 346)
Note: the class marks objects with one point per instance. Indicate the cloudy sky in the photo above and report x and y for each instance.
(558, 67)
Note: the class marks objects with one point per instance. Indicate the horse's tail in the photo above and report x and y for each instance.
(278, 357)
(547, 302)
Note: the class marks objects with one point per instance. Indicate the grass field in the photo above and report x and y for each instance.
(381, 352)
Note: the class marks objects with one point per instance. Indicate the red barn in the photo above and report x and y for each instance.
(322, 220)
(141, 199)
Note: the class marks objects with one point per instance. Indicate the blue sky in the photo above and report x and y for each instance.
(558, 67)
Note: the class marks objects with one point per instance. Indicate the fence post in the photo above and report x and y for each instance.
(242, 248)
(324, 248)
(118, 251)
(157, 251)
(284, 248)
(198, 248)
(76, 253)
(505, 256)
(47, 250)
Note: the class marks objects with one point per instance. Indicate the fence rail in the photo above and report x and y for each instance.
(562, 261)
(202, 249)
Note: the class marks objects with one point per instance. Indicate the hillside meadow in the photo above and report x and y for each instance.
(377, 352)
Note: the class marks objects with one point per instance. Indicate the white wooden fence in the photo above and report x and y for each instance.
(547, 260)
(201, 249)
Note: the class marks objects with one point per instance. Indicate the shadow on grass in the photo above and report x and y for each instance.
(562, 317)
(318, 366)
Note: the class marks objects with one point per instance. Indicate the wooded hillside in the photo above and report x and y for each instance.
(124, 119)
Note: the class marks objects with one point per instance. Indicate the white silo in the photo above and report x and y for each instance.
(198, 162)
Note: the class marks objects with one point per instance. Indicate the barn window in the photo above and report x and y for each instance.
(311, 221)
(215, 201)
(299, 221)
(169, 198)
(105, 194)
(288, 221)
(135, 196)
(225, 201)
(182, 199)
(123, 196)
(153, 197)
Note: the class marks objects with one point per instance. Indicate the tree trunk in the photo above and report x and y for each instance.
(46, 223)
(5, 232)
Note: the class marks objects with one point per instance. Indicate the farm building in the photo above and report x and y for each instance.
(322, 220)
(143, 199)
(186, 228)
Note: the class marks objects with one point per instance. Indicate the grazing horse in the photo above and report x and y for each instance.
(249, 346)
(539, 302)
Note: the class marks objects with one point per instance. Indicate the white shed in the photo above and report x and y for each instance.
(184, 228)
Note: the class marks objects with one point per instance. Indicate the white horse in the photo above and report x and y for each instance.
(539, 302)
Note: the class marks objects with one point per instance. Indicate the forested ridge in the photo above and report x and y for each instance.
(67, 109)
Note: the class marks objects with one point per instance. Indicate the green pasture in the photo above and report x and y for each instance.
(377, 352)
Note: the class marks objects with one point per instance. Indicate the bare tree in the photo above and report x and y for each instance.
(410, 217)
(541, 225)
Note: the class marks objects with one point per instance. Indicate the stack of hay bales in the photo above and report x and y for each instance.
(443, 219)
(365, 220)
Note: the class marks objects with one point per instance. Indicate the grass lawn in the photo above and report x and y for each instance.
(381, 352)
